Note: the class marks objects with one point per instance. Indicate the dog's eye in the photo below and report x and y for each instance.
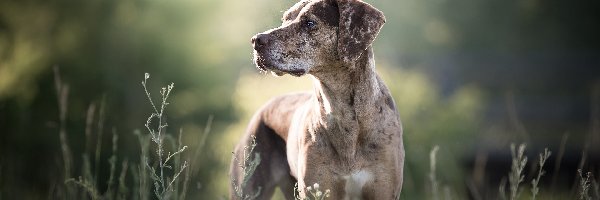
(310, 24)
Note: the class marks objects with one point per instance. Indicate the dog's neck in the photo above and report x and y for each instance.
(344, 100)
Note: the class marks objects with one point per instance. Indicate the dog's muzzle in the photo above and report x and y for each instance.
(263, 57)
(259, 41)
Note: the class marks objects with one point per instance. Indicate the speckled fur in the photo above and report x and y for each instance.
(344, 135)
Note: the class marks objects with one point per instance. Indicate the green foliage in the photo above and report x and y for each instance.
(164, 186)
(203, 46)
(88, 182)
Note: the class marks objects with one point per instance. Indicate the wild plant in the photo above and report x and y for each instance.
(87, 182)
(515, 176)
(534, 183)
(62, 93)
(313, 193)
(432, 176)
(248, 167)
(163, 185)
(584, 185)
(88, 179)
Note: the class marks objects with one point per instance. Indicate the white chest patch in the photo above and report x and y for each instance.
(355, 183)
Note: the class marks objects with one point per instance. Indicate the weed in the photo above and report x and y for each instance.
(248, 167)
(162, 177)
(432, 176)
(534, 183)
(100, 129)
(163, 186)
(515, 177)
(88, 184)
(584, 185)
(314, 193)
(62, 93)
(140, 172)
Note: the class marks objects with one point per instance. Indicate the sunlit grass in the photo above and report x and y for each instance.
(167, 176)
(248, 163)
(164, 186)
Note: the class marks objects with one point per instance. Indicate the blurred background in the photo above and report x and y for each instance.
(468, 76)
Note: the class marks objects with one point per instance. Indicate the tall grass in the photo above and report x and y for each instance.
(584, 185)
(249, 163)
(163, 173)
(432, 173)
(159, 174)
(248, 167)
(434, 183)
(515, 177)
(163, 185)
(62, 93)
(535, 182)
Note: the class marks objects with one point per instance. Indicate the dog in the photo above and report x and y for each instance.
(346, 135)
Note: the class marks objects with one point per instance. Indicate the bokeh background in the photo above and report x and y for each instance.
(470, 76)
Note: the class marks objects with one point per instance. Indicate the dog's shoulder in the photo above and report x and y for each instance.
(277, 113)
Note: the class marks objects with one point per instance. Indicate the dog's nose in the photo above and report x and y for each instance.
(260, 40)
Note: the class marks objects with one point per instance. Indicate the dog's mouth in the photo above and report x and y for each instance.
(260, 63)
(265, 65)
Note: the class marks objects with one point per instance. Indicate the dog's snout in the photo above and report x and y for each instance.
(260, 40)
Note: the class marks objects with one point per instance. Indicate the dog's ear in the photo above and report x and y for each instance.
(359, 25)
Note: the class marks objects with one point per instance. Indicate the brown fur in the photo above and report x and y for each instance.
(346, 134)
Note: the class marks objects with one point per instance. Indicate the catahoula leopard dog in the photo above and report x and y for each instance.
(346, 134)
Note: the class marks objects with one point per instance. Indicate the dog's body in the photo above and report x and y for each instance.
(346, 134)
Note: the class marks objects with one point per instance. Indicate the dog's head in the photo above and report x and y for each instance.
(317, 34)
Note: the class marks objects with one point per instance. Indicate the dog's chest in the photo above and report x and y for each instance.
(350, 143)
(355, 183)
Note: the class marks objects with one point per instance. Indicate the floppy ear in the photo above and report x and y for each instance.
(359, 25)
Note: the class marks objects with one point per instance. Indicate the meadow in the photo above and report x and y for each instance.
(163, 169)
(79, 118)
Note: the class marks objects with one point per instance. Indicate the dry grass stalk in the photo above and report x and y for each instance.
(534, 183)
(163, 185)
(515, 177)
